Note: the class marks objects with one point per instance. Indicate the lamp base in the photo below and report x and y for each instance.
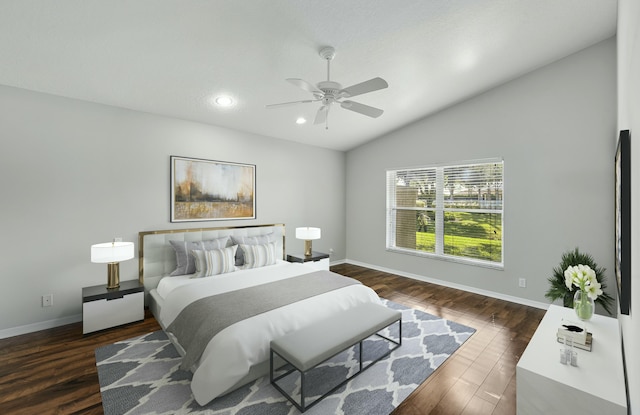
(307, 247)
(113, 275)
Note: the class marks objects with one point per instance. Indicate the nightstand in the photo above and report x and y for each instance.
(316, 260)
(103, 308)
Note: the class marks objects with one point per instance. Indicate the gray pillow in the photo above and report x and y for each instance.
(251, 240)
(184, 259)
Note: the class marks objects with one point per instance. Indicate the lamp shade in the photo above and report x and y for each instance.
(307, 233)
(111, 252)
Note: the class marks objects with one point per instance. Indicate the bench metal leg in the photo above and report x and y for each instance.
(302, 376)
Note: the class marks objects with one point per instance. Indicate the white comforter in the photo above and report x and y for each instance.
(232, 352)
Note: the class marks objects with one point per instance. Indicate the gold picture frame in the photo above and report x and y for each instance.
(208, 190)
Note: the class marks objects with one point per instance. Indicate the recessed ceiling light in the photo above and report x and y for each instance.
(224, 101)
(301, 120)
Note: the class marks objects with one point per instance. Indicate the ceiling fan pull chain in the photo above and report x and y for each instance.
(326, 121)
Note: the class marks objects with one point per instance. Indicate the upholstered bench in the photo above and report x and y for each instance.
(307, 348)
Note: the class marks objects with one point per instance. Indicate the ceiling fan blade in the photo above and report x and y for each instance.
(301, 83)
(364, 87)
(321, 115)
(284, 104)
(362, 109)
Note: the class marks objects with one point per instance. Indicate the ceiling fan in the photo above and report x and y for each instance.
(329, 92)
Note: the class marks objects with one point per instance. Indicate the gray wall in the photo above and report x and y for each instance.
(629, 119)
(553, 127)
(74, 174)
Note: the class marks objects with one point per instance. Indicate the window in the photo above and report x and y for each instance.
(452, 212)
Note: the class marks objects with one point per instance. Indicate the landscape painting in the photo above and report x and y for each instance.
(205, 190)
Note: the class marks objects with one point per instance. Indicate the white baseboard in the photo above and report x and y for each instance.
(338, 262)
(499, 296)
(43, 325)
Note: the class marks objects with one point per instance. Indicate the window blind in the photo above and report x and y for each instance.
(452, 211)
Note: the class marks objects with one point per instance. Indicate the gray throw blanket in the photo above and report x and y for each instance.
(201, 320)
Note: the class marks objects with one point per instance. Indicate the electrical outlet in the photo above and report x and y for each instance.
(47, 300)
(522, 283)
(117, 239)
(330, 251)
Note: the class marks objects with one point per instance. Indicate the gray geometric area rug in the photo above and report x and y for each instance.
(142, 375)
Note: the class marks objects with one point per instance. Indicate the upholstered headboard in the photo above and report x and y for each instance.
(157, 258)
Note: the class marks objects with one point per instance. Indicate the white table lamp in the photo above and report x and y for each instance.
(112, 253)
(307, 234)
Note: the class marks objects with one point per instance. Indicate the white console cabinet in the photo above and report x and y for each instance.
(595, 386)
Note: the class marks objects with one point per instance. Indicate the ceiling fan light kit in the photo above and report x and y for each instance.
(329, 92)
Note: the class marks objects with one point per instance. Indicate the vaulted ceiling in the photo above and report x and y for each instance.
(174, 57)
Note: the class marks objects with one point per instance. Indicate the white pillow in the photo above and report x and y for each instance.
(259, 255)
(214, 261)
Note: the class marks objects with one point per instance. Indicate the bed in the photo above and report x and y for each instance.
(257, 301)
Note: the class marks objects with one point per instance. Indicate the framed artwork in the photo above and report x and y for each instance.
(623, 221)
(205, 190)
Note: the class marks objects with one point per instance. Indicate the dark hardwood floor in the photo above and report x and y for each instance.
(53, 371)
(480, 377)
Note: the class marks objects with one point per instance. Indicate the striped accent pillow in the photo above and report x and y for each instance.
(256, 256)
(251, 240)
(185, 261)
(214, 261)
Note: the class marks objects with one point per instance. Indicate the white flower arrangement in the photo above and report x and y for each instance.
(584, 277)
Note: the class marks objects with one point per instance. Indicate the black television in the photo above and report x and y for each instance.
(623, 221)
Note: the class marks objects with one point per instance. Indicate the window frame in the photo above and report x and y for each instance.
(440, 211)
